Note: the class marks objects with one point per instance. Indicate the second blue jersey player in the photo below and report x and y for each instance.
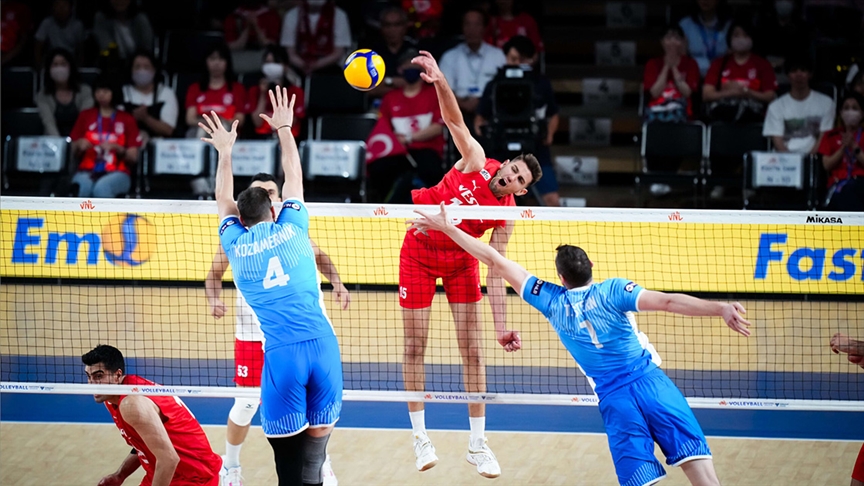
(595, 321)
(274, 268)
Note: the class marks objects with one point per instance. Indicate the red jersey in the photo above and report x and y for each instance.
(120, 128)
(500, 30)
(755, 74)
(410, 115)
(686, 66)
(848, 166)
(225, 103)
(299, 109)
(14, 25)
(266, 18)
(198, 465)
(458, 188)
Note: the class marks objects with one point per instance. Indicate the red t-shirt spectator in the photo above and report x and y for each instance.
(410, 115)
(686, 66)
(755, 74)
(120, 128)
(225, 103)
(831, 142)
(299, 109)
(15, 24)
(424, 16)
(499, 30)
(266, 18)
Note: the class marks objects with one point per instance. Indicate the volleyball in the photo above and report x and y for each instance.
(128, 240)
(364, 69)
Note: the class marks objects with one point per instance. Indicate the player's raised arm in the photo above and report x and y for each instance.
(213, 283)
(223, 141)
(328, 268)
(511, 271)
(473, 156)
(281, 122)
(687, 305)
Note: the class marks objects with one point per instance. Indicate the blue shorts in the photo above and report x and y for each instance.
(650, 409)
(301, 386)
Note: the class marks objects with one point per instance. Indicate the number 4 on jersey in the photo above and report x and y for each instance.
(275, 275)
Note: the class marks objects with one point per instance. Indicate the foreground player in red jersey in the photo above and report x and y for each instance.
(474, 180)
(854, 351)
(168, 442)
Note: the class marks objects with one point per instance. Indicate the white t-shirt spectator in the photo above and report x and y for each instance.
(341, 28)
(800, 123)
(165, 95)
(467, 71)
(68, 37)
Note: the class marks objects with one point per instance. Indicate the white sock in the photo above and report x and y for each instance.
(232, 455)
(418, 422)
(478, 428)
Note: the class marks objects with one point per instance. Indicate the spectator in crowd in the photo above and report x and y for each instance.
(796, 121)
(740, 84)
(123, 28)
(60, 29)
(316, 35)
(855, 79)
(106, 140)
(153, 105)
(248, 29)
(471, 64)
(520, 52)
(394, 44)
(671, 80)
(424, 17)
(62, 96)
(843, 157)
(508, 21)
(415, 119)
(275, 70)
(16, 27)
(782, 35)
(217, 91)
(706, 31)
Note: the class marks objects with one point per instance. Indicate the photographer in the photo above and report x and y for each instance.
(520, 54)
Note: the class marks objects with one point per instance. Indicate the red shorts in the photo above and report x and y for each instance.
(858, 470)
(420, 266)
(248, 362)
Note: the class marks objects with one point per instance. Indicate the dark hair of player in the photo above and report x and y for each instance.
(573, 264)
(533, 166)
(110, 357)
(254, 205)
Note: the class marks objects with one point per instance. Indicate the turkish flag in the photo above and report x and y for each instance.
(382, 142)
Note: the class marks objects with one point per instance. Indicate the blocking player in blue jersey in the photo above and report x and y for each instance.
(274, 268)
(638, 402)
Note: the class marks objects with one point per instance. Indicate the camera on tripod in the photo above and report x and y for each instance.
(514, 127)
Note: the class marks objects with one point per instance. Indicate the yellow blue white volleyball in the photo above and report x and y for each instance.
(128, 240)
(364, 69)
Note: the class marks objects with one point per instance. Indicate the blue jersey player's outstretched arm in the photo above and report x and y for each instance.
(281, 121)
(223, 141)
(516, 276)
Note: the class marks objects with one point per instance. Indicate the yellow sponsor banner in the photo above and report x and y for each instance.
(693, 257)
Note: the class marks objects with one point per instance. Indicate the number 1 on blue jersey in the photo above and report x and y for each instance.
(592, 332)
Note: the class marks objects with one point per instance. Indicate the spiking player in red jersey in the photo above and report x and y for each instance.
(167, 439)
(474, 180)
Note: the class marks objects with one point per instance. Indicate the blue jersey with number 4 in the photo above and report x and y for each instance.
(597, 326)
(274, 268)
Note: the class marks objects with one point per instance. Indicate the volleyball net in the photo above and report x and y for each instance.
(130, 273)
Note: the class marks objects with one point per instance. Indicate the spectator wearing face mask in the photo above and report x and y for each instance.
(739, 85)
(796, 121)
(842, 152)
(276, 72)
(62, 96)
(706, 31)
(415, 119)
(153, 105)
(316, 35)
(671, 80)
